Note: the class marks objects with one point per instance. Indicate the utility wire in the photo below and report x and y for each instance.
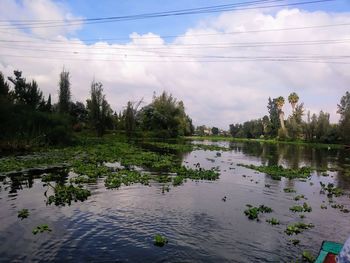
(154, 15)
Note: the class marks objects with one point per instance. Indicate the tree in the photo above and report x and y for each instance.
(4, 86)
(293, 99)
(26, 93)
(165, 117)
(274, 116)
(344, 121)
(280, 102)
(99, 110)
(215, 131)
(64, 95)
(266, 125)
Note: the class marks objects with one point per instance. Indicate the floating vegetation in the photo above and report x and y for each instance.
(298, 197)
(323, 206)
(298, 208)
(331, 190)
(22, 214)
(302, 216)
(273, 221)
(211, 147)
(267, 185)
(278, 171)
(308, 257)
(178, 180)
(324, 174)
(54, 177)
(289, 190)
(294, 241)
(340, 207)
(159, 240)
(253, 212)
(65, 194)
(125, 177)
(197, 174)
(41, 229)
(297, 228)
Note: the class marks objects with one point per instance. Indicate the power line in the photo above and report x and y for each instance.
(160, 14)
(237, 59)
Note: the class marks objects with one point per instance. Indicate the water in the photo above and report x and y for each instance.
(119, 225)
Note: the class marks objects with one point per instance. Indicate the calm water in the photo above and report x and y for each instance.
(119, 225)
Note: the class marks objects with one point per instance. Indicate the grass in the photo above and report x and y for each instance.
(278, 171)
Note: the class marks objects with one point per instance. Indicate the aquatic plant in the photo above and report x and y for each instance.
(294, 241)
(298, 197)
(41, 229)
(273, 221)
(126, 177)
(289, 190)
(65, 194)
(323, 206)
(22, 214)
(297, 228)
(308, 257)
(159, 240)
(178, 180)
(331, 190)
(304, 208)
(253, 212)
(278, 171)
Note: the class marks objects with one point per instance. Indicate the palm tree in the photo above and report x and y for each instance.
(293, 99)
(280, 103)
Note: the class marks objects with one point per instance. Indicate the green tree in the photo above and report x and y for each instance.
(215, 130)
(64, 94)
(99, 111)
(274, 116)
(4, 87)
(344, 121)
(293, 99)
(26, 93)
(165, 117)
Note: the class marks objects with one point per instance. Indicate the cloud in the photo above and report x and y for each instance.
(214, 93)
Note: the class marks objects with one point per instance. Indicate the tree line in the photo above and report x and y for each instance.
(297, 126)
(28, 118)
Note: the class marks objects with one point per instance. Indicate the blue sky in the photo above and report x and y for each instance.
(161, 26)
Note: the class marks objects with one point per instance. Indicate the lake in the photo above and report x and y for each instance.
(118, 225)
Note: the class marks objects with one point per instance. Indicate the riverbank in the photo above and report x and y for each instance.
(272, 141)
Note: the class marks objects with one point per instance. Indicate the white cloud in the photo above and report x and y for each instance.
(214, 93)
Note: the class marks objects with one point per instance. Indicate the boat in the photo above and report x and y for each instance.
(329, 252)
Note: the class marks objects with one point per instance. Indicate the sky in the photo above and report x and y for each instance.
(224, 65)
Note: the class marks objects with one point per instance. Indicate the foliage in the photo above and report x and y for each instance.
(289, 190)
(159, 240)
(331, 190)
(344, 122)
(126, 177)
(41, 229)
(304, 208)
(65, 194)
(297, 228)
(273, 221)
(22, 214)
(64, 94)
(276, 172)
(253, 212)
(308, 257)
(165, 117)
(99, 110)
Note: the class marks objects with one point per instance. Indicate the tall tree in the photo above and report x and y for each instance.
(344, 121)
(280, 102)
(273, 115)
(4, 86)
(26, 93)
(98, 108)
(293, 99)
(64, 94)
